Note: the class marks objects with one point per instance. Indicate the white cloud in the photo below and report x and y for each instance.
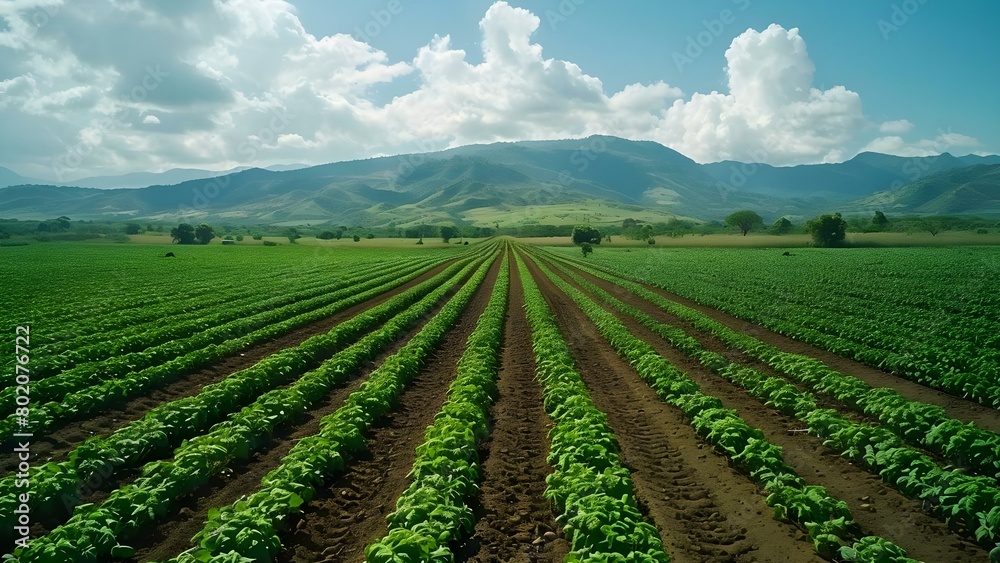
(240, 82)
(898, 126)
(944, 141)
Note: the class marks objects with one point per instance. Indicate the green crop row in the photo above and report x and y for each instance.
(53, 486)
(828, 521)
(939, 329)
(126, 340)
(94, 531)
(82, 401)
(249, 530)
(590, 491)
(193, 337)
(972, 503)
(434, 510)
(927, 426)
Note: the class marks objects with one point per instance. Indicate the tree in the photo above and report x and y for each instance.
(781, 227)
(827, 230)
(133, 228)
(293, 235)
(204, 233)
(582, 234)
(357, 238)
(745, 221)
(327, 235)
(879, 222)
(448, 232)
(646, 232)
(931, 226)
(183, 234)
(586, 248)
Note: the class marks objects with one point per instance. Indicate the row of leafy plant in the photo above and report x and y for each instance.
(827, 520)
(250, 529)
(434, 509)
(928, 426)
(94, 531)
(939, 328)
(94, 288)
(966, 502)
(85, 391)
(54, 486)
(591, 492)
(234, 304)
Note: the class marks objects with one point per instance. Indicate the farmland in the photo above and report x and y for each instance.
(499, 401)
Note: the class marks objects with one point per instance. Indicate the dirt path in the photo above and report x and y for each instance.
(350, 513)
(59, 443)
(512, 515)
(956, 407)
(704, 510)
(878, 508)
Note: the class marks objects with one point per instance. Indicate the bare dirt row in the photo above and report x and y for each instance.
(704, 510)
(514, 521)
(349, 513)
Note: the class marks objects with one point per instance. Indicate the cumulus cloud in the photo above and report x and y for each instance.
(944, 141)
(898, 126)
(240, 82)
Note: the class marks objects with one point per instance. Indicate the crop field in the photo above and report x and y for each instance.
(499, 402)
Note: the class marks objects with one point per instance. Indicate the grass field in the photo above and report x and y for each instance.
(500, 401)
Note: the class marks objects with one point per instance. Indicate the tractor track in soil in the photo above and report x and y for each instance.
(886, 512)
(349, 513)
(57, 444)
(704, 510)
(512, 516)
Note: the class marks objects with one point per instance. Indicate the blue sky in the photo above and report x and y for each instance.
(98, 87)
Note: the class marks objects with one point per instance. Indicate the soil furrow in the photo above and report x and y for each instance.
(878, 508)
(704, 510)
(59, 443)
(349, 513)
(513, 518)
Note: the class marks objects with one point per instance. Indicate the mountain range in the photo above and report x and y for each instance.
(598, 179)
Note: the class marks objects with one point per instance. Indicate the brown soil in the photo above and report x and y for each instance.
(512, 515)
(59, 443)
(878, 508)
(350, 512)
(704, 510)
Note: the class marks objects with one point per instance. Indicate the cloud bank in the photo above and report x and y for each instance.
(240, 82)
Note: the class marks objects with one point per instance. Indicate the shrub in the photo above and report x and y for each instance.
(270, 243)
